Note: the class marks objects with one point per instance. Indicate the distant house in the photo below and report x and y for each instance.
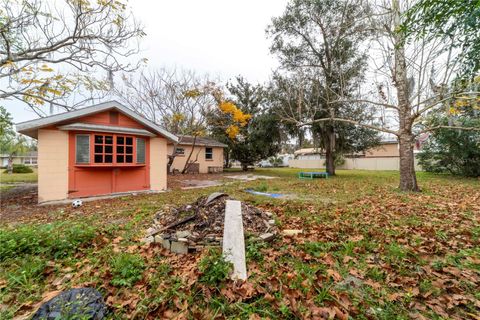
(384, 157)
(98, 150)
(207, 155)
(28, 159)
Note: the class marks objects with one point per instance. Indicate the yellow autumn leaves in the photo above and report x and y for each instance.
(464, 102)
(240, 119)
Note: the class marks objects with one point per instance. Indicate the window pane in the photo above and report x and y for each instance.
(120, 159)
(82, 149)
(129, 159)
(108, 158)
(98, 149)
(108, 139)
(180, 151)
(120, 140)
(129, 150)
(98, 139)
(129, 141)
(108, 149)
(208, 153)
(140, 150)
(98, 158)
(120, 149)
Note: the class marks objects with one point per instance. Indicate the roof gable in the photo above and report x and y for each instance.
(30, 128)
(200, 141)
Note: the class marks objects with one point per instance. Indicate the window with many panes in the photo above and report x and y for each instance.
(109, 149)
(124, 149)
(103, 148)
(209, 153)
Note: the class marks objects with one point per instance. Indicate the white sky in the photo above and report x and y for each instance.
(223, 38)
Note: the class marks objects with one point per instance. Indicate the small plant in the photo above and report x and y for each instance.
(254, 250)
(262, 187)
(214, 268)
(53, 240)
(127, 269)
(27, 274)
(20, 168)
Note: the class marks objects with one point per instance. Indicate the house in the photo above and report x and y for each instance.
(28, 159)
(386, 156)
(98, 150)
(207, 154)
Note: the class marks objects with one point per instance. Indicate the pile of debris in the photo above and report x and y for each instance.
(192, 227)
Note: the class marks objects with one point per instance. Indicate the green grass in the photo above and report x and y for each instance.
(18, 177)
(356, 225)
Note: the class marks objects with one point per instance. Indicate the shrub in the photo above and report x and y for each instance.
(127, 269)
(51, 240)
(20, 168)
(452, 151)
(214, 268)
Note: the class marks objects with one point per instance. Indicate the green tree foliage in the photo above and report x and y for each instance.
(259, 139)
(11, 143)
(453, 151)
(321, 40)
(456, 20)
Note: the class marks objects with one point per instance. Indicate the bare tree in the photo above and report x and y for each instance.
(50, 50)
(179, 100)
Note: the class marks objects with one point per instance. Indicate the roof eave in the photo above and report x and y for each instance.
(30, 128)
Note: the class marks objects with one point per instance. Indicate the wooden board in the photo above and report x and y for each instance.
(234, 240)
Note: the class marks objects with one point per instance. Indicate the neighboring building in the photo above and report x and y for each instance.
(28, 159)
(384, 157)
(309, 154)
(282, 160)
(102, 149)
(386, 149)
(207, 155)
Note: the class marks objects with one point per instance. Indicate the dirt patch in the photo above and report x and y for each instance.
(180, 181)
(249, 177)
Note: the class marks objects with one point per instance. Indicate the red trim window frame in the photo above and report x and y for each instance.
(110, 149)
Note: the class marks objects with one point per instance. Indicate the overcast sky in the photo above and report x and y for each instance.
(223, 38)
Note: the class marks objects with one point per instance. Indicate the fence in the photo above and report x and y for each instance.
(374, 163)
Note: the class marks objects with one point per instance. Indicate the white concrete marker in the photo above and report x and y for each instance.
(233, 239)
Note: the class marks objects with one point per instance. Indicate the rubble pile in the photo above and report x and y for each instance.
(191, 227)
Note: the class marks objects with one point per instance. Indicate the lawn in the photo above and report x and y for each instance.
(18, 177)
(367, 251)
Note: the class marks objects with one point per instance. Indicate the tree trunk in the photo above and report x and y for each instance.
(244, 167)
(408, 178)
(227, 159)
(330, 152)
(187, 163)
(171, 158)
(10, 165)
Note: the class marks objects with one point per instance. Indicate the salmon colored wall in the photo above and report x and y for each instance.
(100, 179)
(103, 118)
(52, 165)
(179, 162)
(386, 150)
(158, 164)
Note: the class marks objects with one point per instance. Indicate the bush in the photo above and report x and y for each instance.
(20, 168)
(127, 269)
(51, 240)
(453, 151)
(214, 268)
